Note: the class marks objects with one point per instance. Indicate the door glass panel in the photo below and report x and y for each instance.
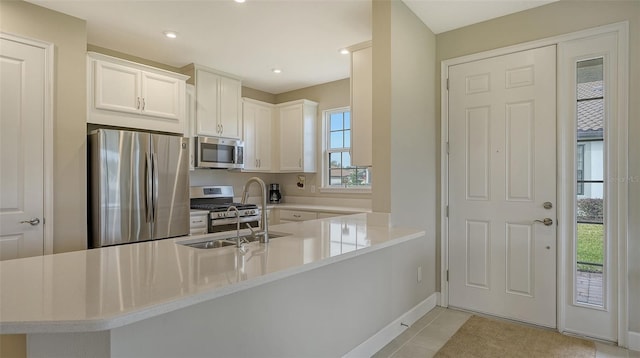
(589, 163)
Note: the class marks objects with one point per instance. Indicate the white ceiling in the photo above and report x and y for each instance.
(445, 15)
(302, 37)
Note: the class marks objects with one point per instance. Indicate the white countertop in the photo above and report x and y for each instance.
(106, 288)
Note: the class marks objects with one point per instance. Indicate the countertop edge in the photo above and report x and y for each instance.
(107, 323)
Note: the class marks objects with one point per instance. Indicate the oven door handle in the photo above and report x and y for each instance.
(227, 221)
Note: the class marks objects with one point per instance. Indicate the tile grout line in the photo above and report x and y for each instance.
(412, 337)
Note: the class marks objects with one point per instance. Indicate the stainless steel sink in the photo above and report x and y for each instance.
(228, 241)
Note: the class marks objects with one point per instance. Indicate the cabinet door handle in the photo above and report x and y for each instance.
(144, 104)
(296, 216)
(138, 103)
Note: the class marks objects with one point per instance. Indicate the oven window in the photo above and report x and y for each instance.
(215, 153)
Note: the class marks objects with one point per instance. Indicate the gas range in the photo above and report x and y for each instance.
(218, 200)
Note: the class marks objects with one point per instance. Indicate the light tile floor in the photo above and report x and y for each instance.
(428, 334)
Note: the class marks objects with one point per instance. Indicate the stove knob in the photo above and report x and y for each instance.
(221, 215)
(250, 212)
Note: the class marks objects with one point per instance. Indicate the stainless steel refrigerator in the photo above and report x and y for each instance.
(139, 187)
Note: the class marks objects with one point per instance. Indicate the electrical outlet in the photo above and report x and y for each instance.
(313, 188)
(419, 274)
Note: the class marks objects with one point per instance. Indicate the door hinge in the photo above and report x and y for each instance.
(446, 213)
(447, 275)
(447, 84)
(447, 144)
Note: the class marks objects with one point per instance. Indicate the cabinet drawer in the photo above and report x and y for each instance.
(198, 231)
(198, 221)
(294, 215)
(328, 215)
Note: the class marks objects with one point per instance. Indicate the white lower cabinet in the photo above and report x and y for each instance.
(198, 224)
(281, 216)
(296, 215)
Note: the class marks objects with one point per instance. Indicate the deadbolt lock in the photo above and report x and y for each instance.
(547, 205)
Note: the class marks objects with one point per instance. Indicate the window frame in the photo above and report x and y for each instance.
(325, 186)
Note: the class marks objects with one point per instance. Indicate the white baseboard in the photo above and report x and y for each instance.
(634, 341)
(393, 329)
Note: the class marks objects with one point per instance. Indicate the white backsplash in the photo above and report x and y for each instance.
(291, 194)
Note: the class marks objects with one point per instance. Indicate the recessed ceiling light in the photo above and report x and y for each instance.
(239, 1)
(276, 70)
(171, 34)
(344, 51)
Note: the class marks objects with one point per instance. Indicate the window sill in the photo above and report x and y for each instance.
(366, 190)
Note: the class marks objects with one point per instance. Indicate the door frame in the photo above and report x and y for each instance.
(620, 137)
(48, 49)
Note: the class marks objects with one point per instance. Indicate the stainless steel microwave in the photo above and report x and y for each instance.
(215, 152)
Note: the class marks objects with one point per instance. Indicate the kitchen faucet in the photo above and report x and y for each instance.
(264, 234)
(238, 241)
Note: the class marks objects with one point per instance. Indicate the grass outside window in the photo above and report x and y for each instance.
(590, 246)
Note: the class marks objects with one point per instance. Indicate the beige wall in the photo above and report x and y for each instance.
(381, 121)
(404, 123)
(258, 95)
(413, 123)
(556, 19)
(69, 35)
(328, 95)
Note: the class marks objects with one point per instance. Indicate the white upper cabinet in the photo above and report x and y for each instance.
(126, 94)
(230, 107)
(218, 102)
(257, 124)
(297, 121)
(361, 104)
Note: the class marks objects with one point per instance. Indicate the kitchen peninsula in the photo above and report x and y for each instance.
(321, 291)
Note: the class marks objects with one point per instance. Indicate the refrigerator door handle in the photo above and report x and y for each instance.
(149, 187)
(155, 186)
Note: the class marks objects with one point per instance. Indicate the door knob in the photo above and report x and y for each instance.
(546, 221)
(32, 222)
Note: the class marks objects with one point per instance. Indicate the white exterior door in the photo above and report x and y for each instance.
(502, 171)
(22, 106)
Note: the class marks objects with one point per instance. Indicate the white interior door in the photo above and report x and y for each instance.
(22, 106)
(502, 171)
